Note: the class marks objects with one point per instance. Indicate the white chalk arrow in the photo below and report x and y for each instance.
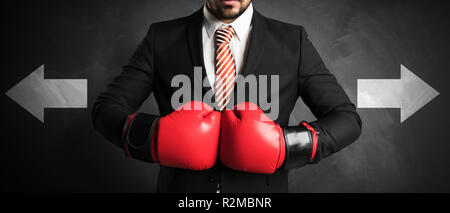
(409, 93)
(34, 93)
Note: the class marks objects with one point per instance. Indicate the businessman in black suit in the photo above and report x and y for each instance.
(258, 46)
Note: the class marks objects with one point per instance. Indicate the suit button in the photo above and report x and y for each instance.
(212, 179)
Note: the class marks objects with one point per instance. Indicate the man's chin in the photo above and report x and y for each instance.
(230, 13)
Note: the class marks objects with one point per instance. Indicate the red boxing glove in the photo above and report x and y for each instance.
(250, 141)
(188, 138)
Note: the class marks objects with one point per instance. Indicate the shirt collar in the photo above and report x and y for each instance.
(240, 25)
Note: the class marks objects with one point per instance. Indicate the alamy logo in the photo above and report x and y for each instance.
(251, 88)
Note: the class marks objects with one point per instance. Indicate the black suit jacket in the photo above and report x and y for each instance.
(175, 47)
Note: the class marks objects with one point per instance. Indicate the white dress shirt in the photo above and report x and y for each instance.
(239, 43)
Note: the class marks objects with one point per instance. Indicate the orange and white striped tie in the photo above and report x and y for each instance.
(225, 67)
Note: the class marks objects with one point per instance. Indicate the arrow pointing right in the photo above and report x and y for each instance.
(410, 93)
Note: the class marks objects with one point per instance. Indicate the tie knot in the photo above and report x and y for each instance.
(224, 35)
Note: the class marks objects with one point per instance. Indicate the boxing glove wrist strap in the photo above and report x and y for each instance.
(301, 145)
(125, 135)
(137, 131)
(315, 139)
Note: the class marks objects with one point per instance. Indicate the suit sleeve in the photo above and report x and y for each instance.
(338, 124)
(114, 110)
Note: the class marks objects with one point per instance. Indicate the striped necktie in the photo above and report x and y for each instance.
(225, 67)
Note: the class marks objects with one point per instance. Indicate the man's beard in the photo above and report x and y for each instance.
(222, 13)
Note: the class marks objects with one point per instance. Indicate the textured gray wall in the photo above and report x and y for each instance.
(357, 39)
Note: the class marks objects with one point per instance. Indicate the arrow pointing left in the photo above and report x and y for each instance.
(34, 93)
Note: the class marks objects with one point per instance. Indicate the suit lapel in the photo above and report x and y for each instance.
(195, 41)
(257, 43)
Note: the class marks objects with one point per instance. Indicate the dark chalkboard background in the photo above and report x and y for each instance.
(93, 39)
